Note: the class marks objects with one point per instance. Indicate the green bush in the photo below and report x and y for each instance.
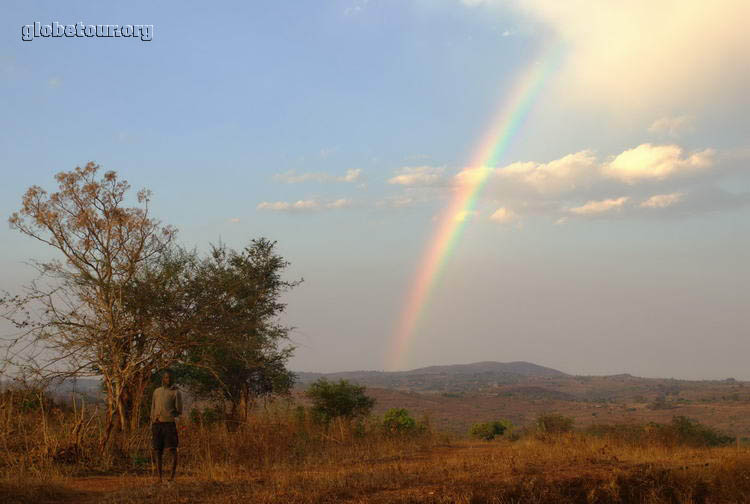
(398, 421)
(552, 423)
(681, 431)
(488, 430)
(692, 433)
(338, 399)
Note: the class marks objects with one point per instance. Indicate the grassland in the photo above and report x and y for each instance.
(280, 455)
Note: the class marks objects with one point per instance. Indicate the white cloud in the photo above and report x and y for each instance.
(472, 175)
(600, 207)
(396, 202)
(663, 200)
(639, 54)
(503, 215)
(645, 176)
(356, 7)
(563, 174)
(286, 206)
(673, 126)
(582, 171)
(308, 205)
(339, 203)
(292, 177)
(656, 162)
(418, 176)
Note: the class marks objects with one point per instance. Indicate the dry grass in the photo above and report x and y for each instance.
(280, 456)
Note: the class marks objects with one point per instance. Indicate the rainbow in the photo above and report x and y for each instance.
(453, 218)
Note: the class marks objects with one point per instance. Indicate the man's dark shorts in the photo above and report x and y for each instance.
(164, 435)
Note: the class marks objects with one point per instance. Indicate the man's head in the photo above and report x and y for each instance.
(166, 378)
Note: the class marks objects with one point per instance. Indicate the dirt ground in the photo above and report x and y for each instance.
(473, 473)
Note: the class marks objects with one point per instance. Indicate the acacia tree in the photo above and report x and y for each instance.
(238, 299)
(76, 315)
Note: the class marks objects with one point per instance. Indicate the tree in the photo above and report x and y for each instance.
(553, 423)
(398, 421)
(77, 315)
(339, 400)
(125, 302)
(239, 294)
(488, 430)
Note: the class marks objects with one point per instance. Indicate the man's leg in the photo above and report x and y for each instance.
(159, 454)
(157, 443)
(174, 463)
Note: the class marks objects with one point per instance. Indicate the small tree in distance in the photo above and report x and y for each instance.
(398, 421)
(340, 400)
(553, 423)
(489, 430)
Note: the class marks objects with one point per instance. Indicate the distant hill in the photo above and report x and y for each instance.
(519, 367)
(451, 379)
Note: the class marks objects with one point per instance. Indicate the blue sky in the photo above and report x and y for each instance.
(338, 128)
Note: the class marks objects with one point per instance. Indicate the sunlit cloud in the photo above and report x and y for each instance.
(503, 215)
(418, 176)
(633, 56)
(396, 202)
(339, 203)
(663, 200)
(562, 174)
(309, 205)
(292, 177)
(673, 126)
(656, 162)
(582, 183)
(600, 207)
(472, 175)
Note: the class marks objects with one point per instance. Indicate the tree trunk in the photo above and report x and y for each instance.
(110, 414)
(138, 390)
(107, 430)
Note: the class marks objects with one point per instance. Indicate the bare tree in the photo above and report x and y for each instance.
(80, 316)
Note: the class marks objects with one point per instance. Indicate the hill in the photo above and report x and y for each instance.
(454, 378)
(454, 397)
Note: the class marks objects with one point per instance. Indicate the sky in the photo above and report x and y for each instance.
(611, 234)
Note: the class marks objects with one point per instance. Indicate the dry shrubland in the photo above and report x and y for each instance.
(281, 454)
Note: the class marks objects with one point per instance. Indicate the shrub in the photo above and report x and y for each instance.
(338, 399)
(681, 431)
(398, 421)
(693, 433)
(552, 423)
(25, 399)
(488, 430)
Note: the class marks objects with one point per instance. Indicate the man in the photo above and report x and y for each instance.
(166, 406)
